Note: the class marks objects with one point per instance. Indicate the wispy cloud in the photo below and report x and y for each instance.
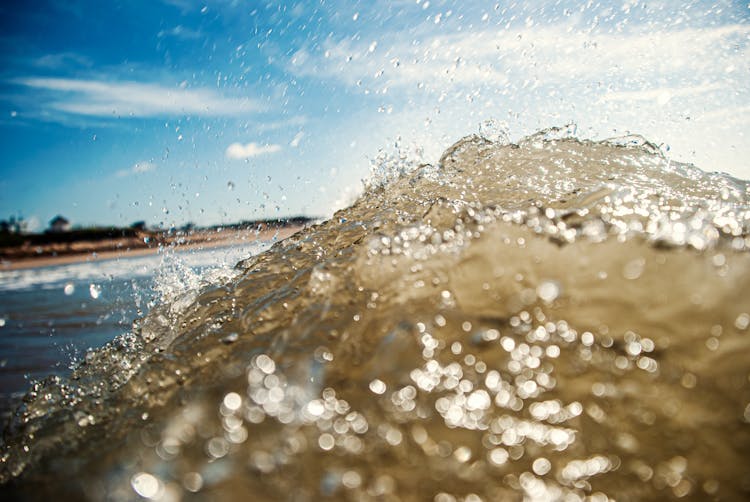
(523, 58)
(62, 60)
(137, 168)
(180, 32)
(727, 116)
(662, 95)
(272, 125)
(97, 98)
(239, 151)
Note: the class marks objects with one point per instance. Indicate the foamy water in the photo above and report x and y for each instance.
(57, 276)
(553, 319)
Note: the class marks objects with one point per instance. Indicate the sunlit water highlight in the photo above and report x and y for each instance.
(556, 319)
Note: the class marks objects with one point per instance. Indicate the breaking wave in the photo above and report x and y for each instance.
(550, 319)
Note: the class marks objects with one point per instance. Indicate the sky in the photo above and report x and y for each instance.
(175, 111)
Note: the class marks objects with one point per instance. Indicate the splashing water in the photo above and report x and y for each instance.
(544, 320)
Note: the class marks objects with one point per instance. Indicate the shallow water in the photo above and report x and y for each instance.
(50, 316)
(45, 330)
(553, 319)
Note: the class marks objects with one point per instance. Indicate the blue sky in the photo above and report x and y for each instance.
(217, 111)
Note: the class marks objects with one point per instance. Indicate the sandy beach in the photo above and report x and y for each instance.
(126, 248)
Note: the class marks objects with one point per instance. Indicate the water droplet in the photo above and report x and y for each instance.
(633, 269)
(462, 454)
(742, 321)
(217, 447)
(192, 482)
(232, 401)
(548, 291)
(230, 338)
(498, 456)
(95, 291)
(541, 466)
(326, 441)
(351, 479)
(69, 289)
(146, 485)
(377, 386)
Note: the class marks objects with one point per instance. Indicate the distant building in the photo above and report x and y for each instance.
(59, 224)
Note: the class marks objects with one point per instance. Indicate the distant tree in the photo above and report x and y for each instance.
(11, 231)
(13, 225)
(188, 227)
(138, 225)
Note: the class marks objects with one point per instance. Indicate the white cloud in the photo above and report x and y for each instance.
(134, 99)
(137, 168)
(240, 151)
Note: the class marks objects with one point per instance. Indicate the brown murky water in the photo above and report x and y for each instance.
(553, 320)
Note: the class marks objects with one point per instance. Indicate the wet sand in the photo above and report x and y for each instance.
(113, 249)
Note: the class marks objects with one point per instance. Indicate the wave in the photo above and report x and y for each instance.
(550, 319)
(57, 276)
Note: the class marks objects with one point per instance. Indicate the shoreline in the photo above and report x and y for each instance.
(198, 240)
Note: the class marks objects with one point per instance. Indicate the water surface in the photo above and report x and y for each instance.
(553, 319)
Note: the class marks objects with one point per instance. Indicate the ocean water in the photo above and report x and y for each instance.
(556, 319)
(51, 316)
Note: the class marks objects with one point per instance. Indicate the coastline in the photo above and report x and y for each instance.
(114, 249)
